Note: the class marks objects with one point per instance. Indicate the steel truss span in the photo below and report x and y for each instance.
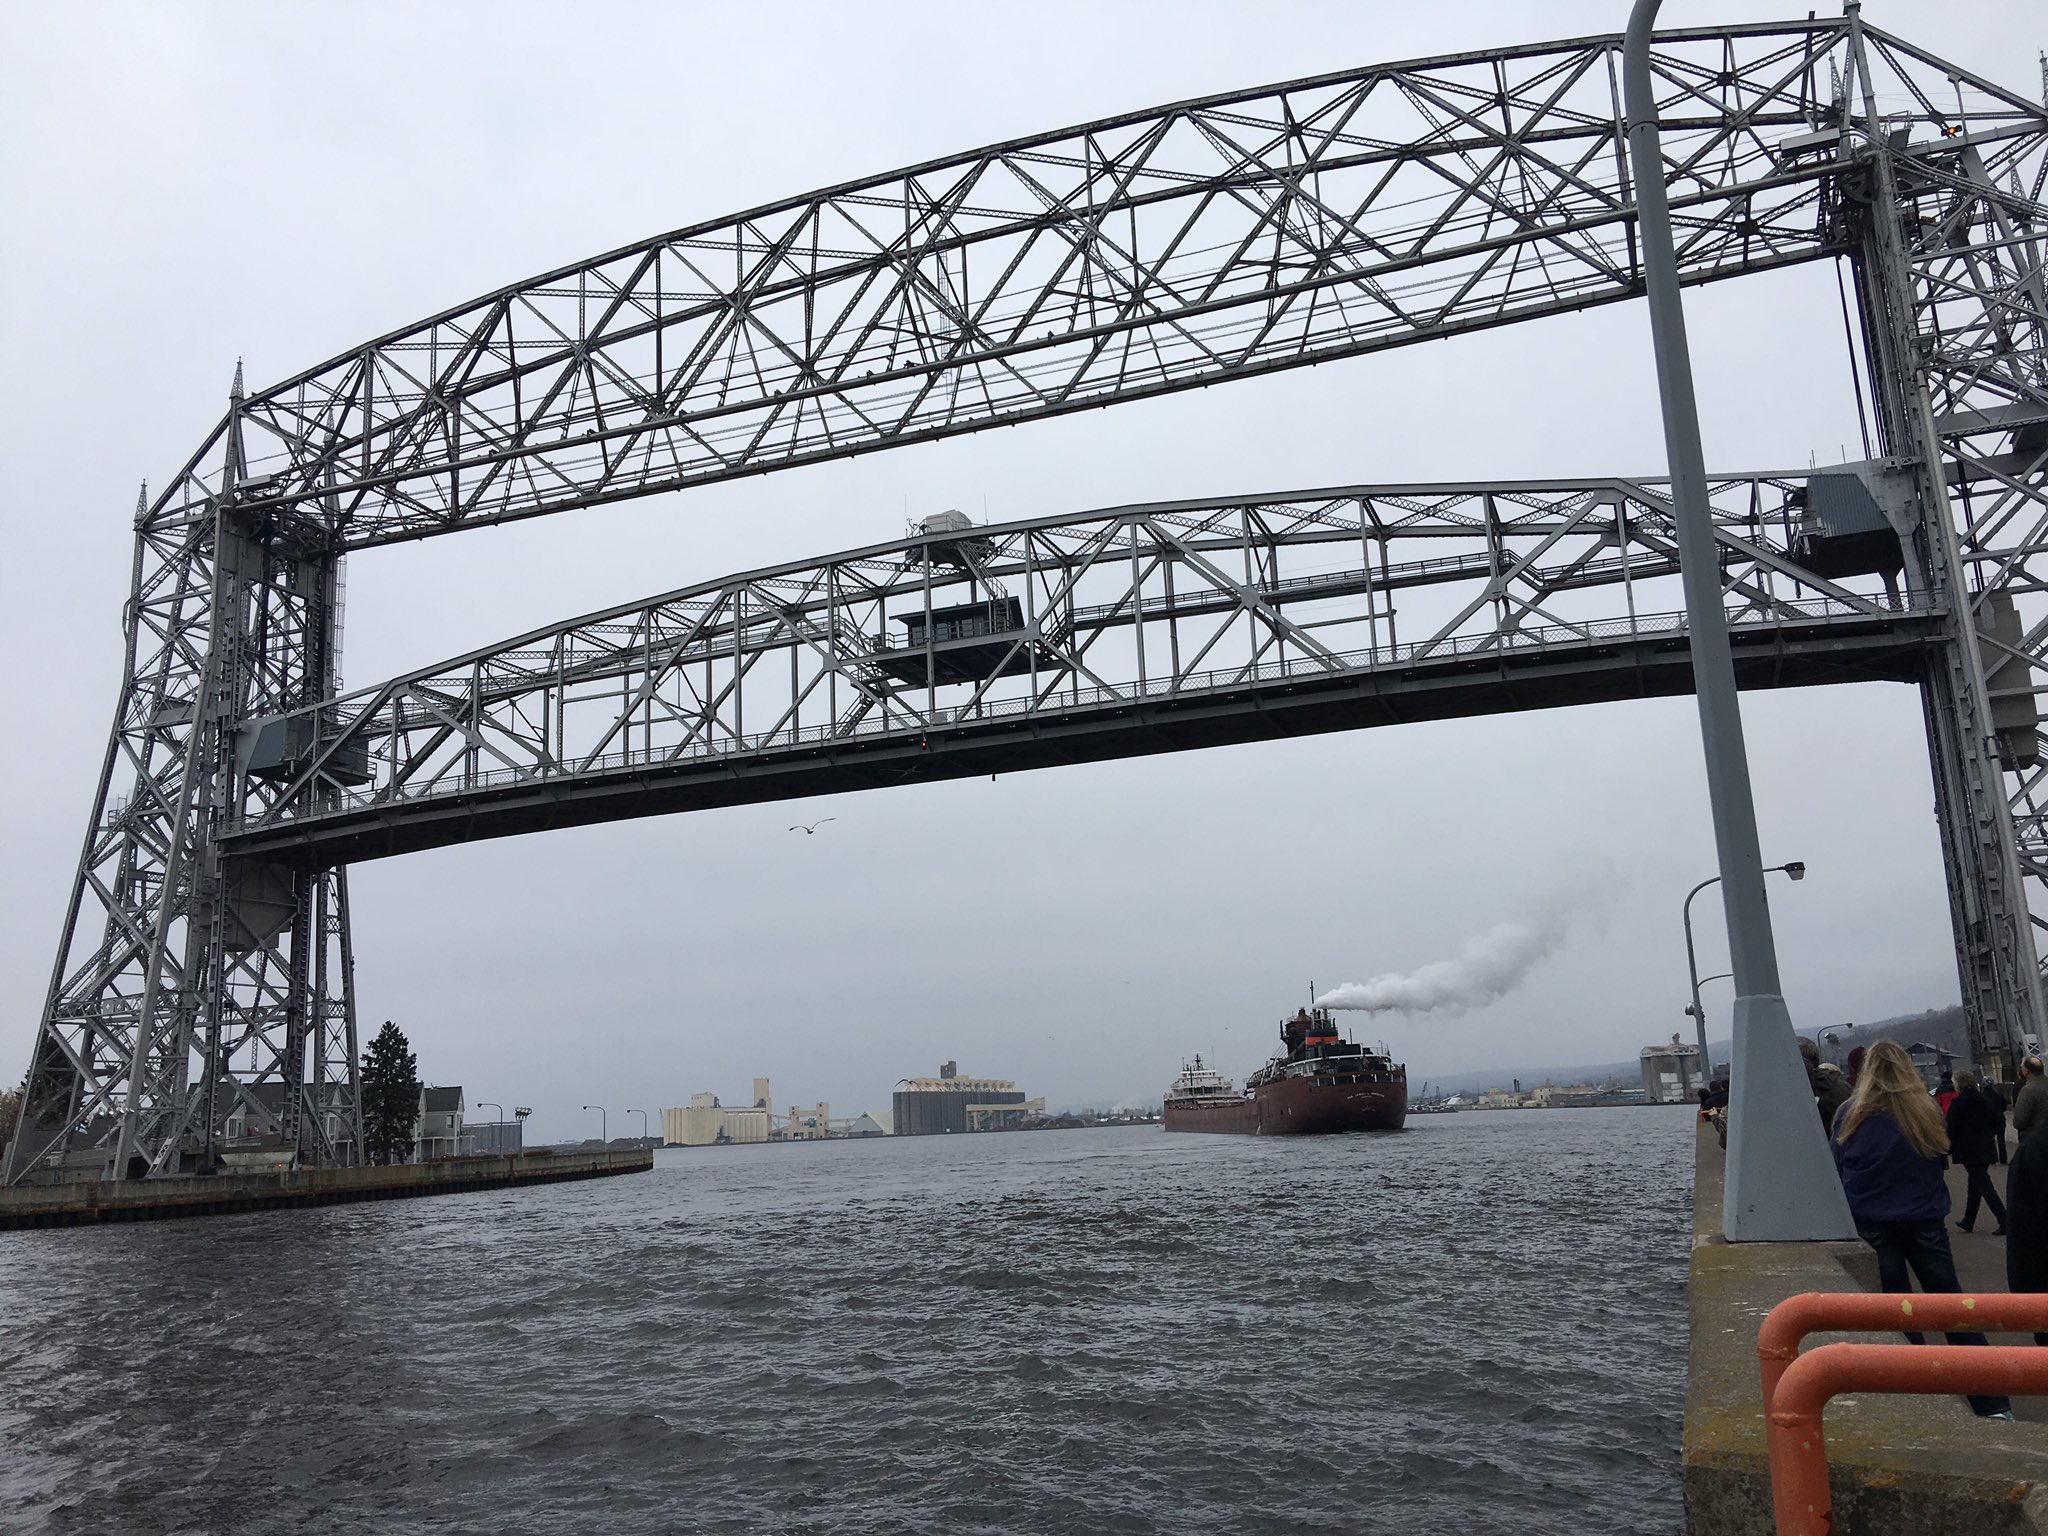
(201, 992)
(1142, 629)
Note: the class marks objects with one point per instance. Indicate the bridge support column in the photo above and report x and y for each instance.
(1781, 1180)
(195, 994)
(1906, 277)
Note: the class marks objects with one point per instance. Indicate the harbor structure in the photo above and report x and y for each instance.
(813, 1124)
(210, 900)
(935, 1106)
(494, 1138)
(255, 1187)
(1671, 1073)
(705, 1122)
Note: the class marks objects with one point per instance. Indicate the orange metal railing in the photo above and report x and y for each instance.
(1797, 1387)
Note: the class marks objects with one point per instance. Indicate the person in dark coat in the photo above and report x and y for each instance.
(2030, 1104)
(1973, 1142)
(1891, 1151)
(1830, 1088)
(1994, 1097)
(2026, 1220)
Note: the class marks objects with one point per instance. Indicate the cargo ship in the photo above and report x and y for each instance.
(1319, 1085)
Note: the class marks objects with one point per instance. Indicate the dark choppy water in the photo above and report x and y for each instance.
(1476, 1325)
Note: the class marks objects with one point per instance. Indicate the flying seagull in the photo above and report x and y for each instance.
(812, 829)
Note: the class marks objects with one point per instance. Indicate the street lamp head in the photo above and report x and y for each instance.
(1796, 869)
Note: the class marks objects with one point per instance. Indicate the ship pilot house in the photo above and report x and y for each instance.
(961, 642)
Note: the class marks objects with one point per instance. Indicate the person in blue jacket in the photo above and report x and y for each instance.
(1891, 1149)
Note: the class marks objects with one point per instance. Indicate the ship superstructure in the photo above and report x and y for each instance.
(1320, 1084)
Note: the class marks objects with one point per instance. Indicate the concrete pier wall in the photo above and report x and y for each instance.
(91, 1200)
(1921, 1464)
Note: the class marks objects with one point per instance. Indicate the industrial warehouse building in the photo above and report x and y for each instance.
(706, 1122)
(932, 1106)
(1671, 1073)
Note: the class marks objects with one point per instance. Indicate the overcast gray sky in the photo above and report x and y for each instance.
(192, 183)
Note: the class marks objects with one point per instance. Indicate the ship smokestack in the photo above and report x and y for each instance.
(1486, 970)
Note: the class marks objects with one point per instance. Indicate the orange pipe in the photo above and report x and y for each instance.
(1777, 1342)
(1799, 1453)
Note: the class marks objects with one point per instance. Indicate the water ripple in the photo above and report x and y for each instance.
(1478, 1324)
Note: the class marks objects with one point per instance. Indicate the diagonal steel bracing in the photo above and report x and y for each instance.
(201, 988)
(1133, 630)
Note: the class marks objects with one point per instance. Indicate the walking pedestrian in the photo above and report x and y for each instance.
(1996, 1102)
(1890, 1148)
(2030, 1104)
(1830, 1088)
(2026, 1220)
(1944, 1091)
(1852, 1066)
(1973, 1144)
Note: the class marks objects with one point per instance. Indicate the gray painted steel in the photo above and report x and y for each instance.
(1165, 250)
(1781, 1178)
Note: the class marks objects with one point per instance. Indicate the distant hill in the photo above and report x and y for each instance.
(1942, 1028)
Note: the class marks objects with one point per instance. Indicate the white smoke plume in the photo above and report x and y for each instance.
(1486, 970)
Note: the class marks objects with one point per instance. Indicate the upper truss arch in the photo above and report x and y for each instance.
(1136, 255)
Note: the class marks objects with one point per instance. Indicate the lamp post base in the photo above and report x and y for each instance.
(1781, 1184)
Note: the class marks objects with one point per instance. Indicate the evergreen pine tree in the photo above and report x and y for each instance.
(391, 1096)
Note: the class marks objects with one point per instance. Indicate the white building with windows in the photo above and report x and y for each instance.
(439, 1133)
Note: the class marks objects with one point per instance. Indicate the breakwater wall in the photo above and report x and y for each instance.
(81, 1202)
(1920, 1464)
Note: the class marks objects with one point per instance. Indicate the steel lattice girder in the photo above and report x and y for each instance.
(1133, 630)
(1159, 251)
(1165, 250)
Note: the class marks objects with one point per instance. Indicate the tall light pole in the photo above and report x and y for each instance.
(644, 1133)
(495, 1129)
(1781, 1183)
(1797, 870)
(1692, 1011)
(603, 1135)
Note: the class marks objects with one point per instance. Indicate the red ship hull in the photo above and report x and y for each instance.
(1300, 1106)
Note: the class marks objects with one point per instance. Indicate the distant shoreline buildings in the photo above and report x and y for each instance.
(921, 1106)
(706, 1122)
(950, 1103)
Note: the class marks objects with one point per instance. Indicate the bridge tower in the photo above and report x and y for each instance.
(203, 978)
(1954, 332)
(188, 986)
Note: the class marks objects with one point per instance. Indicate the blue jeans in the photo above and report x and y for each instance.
(1922, 1247)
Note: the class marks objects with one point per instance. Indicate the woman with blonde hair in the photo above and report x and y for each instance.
(1891, 1150)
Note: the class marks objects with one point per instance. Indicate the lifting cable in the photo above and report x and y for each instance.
(1855, 374)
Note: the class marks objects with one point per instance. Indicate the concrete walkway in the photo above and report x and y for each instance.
(1980, 1265)
(1897, 1462)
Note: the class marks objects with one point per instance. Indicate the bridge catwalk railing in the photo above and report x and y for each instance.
(1520, 645)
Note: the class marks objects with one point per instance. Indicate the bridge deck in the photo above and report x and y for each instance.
(1295, 699)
